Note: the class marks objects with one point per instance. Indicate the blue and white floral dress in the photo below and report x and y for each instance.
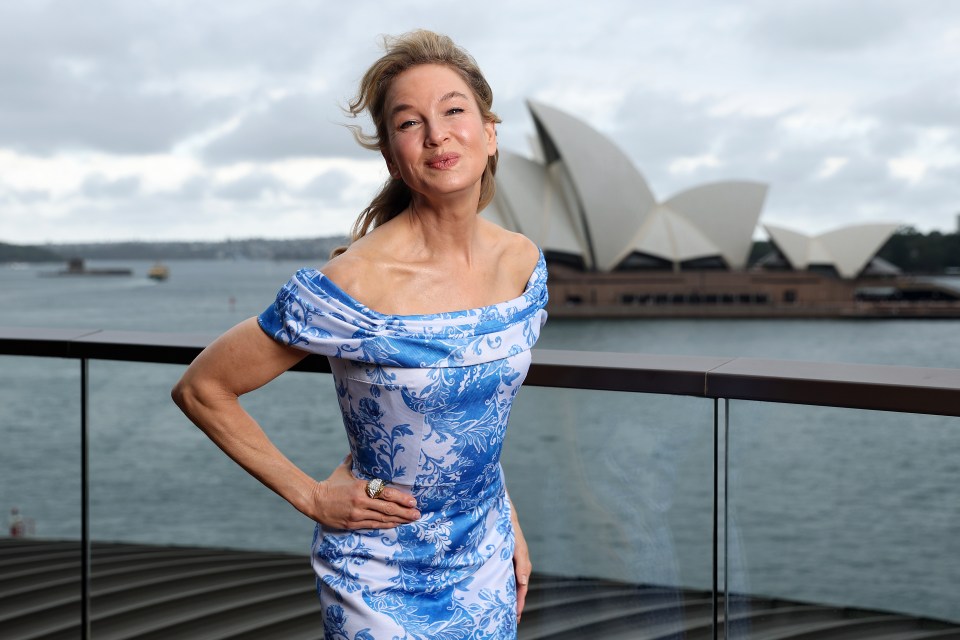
(425, 402)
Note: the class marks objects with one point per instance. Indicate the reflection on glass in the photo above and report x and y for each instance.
(40, 454)
(616, 488)
(40, 478)
(613, 490)
(156, 478)
(844, 507)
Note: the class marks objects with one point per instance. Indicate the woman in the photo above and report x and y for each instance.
(428, 318)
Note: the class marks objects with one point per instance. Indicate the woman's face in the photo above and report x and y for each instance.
(438, 142)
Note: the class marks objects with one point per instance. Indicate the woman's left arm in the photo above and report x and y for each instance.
(521, 561)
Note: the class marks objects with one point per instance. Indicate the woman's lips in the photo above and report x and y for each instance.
(443, 161)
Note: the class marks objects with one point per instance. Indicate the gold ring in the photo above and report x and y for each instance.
(375, 487)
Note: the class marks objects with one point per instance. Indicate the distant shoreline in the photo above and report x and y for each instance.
(932, 254)
(247, 249)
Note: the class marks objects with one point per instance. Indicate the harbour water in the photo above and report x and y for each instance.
(840, 506)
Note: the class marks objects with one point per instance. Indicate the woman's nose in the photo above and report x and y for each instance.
(436, 134)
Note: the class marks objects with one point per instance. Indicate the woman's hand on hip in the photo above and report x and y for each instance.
(341, 502)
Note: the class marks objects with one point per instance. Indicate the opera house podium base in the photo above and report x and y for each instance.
(145, 592)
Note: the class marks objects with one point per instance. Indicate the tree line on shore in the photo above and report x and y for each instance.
(915, 252)
(249, 249)
(908, 248)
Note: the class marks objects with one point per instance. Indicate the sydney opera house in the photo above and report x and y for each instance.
(614, 249)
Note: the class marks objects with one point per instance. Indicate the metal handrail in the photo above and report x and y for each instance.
(853, 386)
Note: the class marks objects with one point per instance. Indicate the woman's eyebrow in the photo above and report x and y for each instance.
(451, 95)
(397, 108)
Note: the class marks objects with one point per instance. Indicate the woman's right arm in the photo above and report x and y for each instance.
(244, 359)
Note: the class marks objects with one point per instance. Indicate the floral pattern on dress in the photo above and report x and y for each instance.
(425, 402)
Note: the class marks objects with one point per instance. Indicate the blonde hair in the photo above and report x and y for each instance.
(401, 53)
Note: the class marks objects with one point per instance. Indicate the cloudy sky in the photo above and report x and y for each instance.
(212, 120)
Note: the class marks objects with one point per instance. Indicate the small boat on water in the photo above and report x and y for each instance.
(159, 272)
(76, 267)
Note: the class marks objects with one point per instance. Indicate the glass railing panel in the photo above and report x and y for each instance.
(157, 479)
(613, 490)
(40, 478)
(40, 454)
(614, 495)
(851, 510)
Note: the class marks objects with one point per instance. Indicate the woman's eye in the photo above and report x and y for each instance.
(406, 124)
(455, 110)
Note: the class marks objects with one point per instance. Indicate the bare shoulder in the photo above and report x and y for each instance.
(353, 271)
(526, 252)
(367, 269)
(516, 253)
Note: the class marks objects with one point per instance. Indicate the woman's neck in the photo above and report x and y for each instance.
(445, 228)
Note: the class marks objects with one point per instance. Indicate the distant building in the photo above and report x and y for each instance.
(615, 249)
(847, 251)
(588, 206)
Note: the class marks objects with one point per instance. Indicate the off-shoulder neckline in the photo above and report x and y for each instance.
(334, 289)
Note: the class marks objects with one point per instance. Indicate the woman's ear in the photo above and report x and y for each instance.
(490, 127)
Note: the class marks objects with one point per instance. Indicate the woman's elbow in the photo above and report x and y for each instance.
(183, 394)
(191, 395)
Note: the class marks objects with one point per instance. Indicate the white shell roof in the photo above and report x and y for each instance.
(528, 195)
(612, 195)
(668, 235)
(582, 195)
(727, 213)
(848, 249)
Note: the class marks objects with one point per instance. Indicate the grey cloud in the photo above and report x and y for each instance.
(890, 139)
(250, 187)
(861, 191)
(168, 36)
(827, 25)
(111, 120)
(926, 104)
(655, 129)
(193, 189)
(298, 125)
(941, 193)
(24, 196)
(99, 186)
(75, 75)
(862, 171)
(328, 186)
(796, 184)
(49, 105)
(657, 126)
(86, 75)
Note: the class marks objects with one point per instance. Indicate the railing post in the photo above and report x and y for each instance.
(716, 485)
(726, 518)
(84, 503)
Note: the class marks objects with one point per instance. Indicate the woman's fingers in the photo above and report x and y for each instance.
(394, 504)
(346, 505)
(523, 583)
(399, 497)
(365, 518)
(522, 567)
(359, 516)
(342, 502)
